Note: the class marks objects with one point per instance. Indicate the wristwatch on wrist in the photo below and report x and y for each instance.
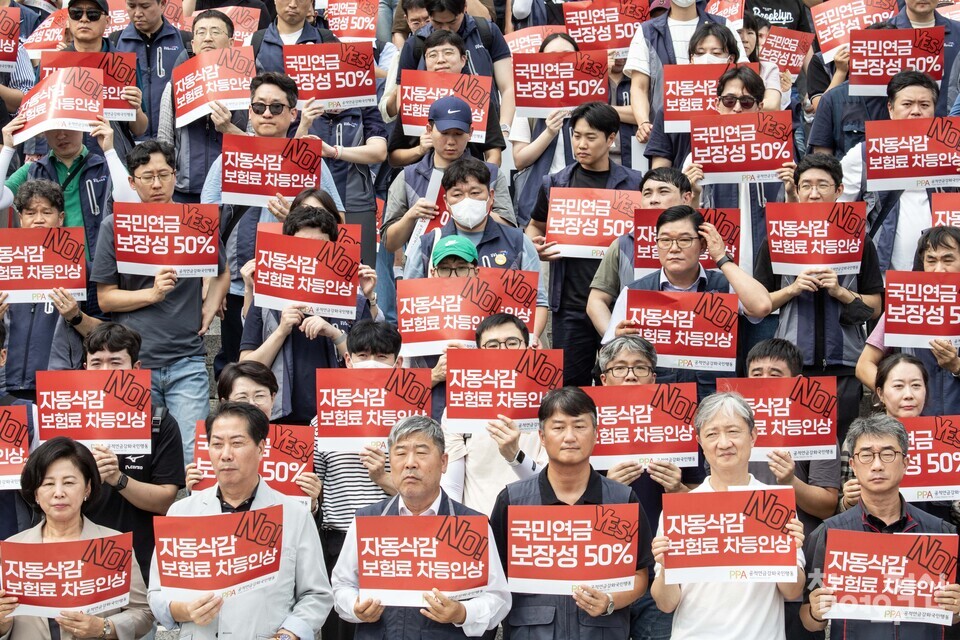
(106, 629)
(340, 339)
(505, 128)
(518, 459)
(77, 319)
(122, 482)
(609, 610)
(724, 260)
(372, 299)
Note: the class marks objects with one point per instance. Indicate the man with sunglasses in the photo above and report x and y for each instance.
(880, 449)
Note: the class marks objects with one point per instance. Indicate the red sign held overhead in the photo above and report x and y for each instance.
(119, 71)
(604, 24)
(420, 89)
(254, 169)
(786, 48)
(337, 76)
(183, 236)
(66, 99)
(585, 221)
(816, 234)
(934, 461)
(730, 10)
(920, 307)
(755, 144)
(221, 75)
(529, 40)
(34, 261)
(912, 154)
(14, 445)
(877, 56)
(544, 82)
(834, 21)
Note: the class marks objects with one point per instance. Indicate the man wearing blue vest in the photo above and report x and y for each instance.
(291, 27)
(417, 460)
(568, 431)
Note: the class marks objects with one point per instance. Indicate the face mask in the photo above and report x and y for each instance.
(683, 3)
(371, 364)
(709, 58)
(469, 213)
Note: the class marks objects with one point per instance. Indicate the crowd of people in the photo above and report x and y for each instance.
(498, 194)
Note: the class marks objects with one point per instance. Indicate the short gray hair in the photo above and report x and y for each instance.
(626, 343)
(880, 425)
(416, 424)
(728, 402)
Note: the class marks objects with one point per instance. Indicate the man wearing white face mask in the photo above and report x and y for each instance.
(499, 246)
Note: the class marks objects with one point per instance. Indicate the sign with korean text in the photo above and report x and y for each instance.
(730, 10)
(358, 407)
(652, 423)
(318, 275)
(545, 82)
(91, 576)
(604, 25)
(484, 384)
(877, 56)
(14, 445)
(34, 261)
(348, 233)
(786, 48)
(816, 234)
(228, 554)
(221, 75)
(432, 312)
(119, 71)
(554, 549)
(173, 12)
(690, 89)
(730, 536)
(688, 330)
(798, 415)
(353, 20)
(420, 89)
(755, 144)
(48, 35)
(183, 236)
(912, 154)
(951, 11)
(110, 408)
(934, 462)
(400, 560)
(834, 21)
(254, 169)
(946, 209)
(117, 16)
(646, 257)
(336, 76)
(885, 578)
(69, 99)
(9, 38)
(920, 307)
(583, 222)
(529, 40)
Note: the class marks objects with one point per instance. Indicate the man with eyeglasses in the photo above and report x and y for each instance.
(880, 449)
(682, 235)
(480, 466)
(821, 312)
(170, 313)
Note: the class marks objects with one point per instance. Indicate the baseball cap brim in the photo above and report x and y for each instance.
(447, 125)
(100, 3)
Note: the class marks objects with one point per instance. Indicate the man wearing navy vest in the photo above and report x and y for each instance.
(291, 27)
(880, 449)
(417, 461)
(568, 432)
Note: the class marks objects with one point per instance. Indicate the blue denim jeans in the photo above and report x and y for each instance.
(385, 20)
(184, 389)
(647, 622)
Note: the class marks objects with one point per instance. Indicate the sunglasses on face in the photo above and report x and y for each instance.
(275, 109)
(729, 101)
(77, 13)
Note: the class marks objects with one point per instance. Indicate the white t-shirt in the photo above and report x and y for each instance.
(520, 132)
(291, 38)
(728, 610)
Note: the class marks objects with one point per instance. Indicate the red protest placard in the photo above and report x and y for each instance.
(920, 307)
(110, 408)
(816, 234)
(400, 560)
(346, 233)
(934, 459)
(544, 82)
(604, 24)
(420, 89)
(221, 75)
(336, 76)
(183, 236)
(883, 577)
(730, 10)
(66, 99)
(318, 275)
(91, 576)
(585, 221)
(689, 330)
(912, 154)
(353, 20)
(254, 169)
(34, 261)
(786, 48)
(554, 549)
(228, 554)
(9, 38)
(729, 536)
(14, 445)
(529, 40)
(798, 415)
(877, 56)
(651, 423)
(48, 35)
(755, 144)
(484, 384)
(646, 258)
(946, 209)
(173, 11)
(835, 20)
(690, 89)
(434, 311)
(357, 407)
(119, 18)
(119, 71)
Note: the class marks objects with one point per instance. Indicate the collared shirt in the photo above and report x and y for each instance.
(872, 523)
(666, 285)
(432, 510)
(226, 507)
